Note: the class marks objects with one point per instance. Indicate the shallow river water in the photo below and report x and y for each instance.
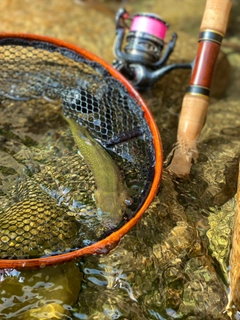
(174, 262)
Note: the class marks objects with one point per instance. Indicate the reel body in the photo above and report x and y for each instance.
(141, 60)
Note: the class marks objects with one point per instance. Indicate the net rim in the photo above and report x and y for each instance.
(104, 245)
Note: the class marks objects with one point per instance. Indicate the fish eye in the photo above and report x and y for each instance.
(128, 201)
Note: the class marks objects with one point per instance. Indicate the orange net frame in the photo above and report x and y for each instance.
(45, 70)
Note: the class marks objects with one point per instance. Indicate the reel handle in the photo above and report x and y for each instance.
(196, 100)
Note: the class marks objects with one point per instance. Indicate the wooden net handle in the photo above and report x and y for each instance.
(234, 297)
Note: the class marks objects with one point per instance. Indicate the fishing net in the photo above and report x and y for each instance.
(47, 203)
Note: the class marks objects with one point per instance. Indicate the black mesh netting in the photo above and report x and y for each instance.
(47, 203)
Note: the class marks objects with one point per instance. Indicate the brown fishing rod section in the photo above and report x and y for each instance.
(196, 100)
(102, 246)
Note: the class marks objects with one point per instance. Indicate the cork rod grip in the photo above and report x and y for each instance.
(192, 119)
(216, 15)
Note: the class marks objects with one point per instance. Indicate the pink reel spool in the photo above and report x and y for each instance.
(145, 40)
(149, 23)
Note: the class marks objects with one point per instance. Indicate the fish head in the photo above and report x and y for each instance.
(112, 206)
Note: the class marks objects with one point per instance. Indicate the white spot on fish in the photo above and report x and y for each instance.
(87, 141)
(80, 154)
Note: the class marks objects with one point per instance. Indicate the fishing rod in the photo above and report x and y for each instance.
(196, 100)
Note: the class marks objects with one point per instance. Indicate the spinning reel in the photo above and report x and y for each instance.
(140, 61)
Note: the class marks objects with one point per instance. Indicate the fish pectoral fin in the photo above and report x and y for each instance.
(96, 196)
(80, 154)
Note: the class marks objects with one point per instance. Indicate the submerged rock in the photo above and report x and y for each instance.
(160, 268)
(45, 293)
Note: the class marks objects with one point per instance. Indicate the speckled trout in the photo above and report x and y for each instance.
(111, 195)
